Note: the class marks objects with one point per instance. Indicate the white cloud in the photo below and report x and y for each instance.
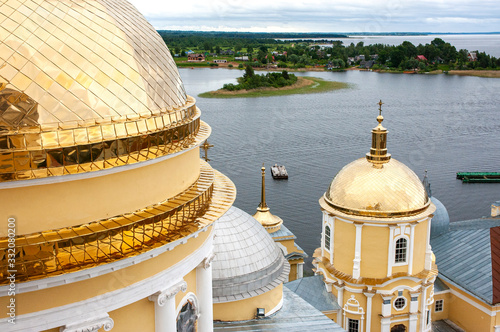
(323, 15)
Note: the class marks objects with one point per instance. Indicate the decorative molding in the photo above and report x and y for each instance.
(93, 272)
(107, 302)
(208, 260)
(163, 296)
(90, 325)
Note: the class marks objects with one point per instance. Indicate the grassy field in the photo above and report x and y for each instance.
(303, 85)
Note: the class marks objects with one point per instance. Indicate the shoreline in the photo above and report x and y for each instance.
(302, 86)
(468, 72)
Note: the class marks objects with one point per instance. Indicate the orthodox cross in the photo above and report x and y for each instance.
(205, 147)
(380, 103)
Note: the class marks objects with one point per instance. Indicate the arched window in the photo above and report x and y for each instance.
(401, 250)
(327, 237)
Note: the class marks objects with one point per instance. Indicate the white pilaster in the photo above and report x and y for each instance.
(165, 311)
(413, 323)
(340, 301)
(410, 254)
(204, 294)
(390, 256)
(428, 251)
(423, 309)
(300, 270)
(385, 324)
(369, 297)
(356, 268)
(386, 305)
(92, 324)
(414, 303)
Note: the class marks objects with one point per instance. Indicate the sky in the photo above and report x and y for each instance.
(372, 16)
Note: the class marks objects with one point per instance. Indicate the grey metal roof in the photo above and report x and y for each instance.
(464, 258)
(313, 290)
(247, 261)
(440, 223)
(283, 232)
(440, 286)
(485, 222)
(296, 315)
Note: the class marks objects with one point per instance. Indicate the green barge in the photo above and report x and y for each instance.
(479, 177)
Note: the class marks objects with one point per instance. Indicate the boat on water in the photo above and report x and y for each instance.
(279, 172)
(478, 177)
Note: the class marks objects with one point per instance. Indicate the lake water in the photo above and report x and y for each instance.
(439, 123)
(489, 43)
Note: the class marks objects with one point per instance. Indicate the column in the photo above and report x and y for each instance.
(386, 305)
(204, 294)
(369, 297)
(92, 324)
(340, 301)
(165, 310)
(356, 268)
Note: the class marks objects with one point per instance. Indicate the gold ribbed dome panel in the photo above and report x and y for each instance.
(361, 188)
(85, 62)
(86, 85)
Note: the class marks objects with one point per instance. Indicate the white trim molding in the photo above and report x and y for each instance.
(164, 295)
(92, 324)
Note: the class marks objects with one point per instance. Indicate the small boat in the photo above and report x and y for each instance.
(279, 172)
(478, 177)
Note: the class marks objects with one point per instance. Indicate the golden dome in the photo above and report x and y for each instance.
(87, 85)
(361, 188)
(377, 185)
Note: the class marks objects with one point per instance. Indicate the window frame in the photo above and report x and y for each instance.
(406, 251)
(349, 329)
(441, 303)
(399, 298)
(328, 236)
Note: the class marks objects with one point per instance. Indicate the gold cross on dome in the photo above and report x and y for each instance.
(380, 103)
(205, 147)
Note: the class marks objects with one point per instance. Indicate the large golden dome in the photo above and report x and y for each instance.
(361, 188)
(86, 85)
(377, 185)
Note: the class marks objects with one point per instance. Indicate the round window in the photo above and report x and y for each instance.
(400, 303)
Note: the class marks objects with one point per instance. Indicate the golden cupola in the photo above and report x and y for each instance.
(377, 185)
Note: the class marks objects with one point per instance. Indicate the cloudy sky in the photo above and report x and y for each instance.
(324, 15)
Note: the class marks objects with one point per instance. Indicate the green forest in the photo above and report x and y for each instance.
(250, 80)
(265, 49)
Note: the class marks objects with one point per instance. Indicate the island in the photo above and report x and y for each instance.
(272, 84)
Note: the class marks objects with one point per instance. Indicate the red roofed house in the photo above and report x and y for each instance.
(421, 58)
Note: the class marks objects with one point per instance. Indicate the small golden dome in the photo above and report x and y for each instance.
(377, 185)
(361, 188)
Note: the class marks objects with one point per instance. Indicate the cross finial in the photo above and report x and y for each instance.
(380, 103)
(205, 147)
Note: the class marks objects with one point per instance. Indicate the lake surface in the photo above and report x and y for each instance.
(439, 123)
(489, 43)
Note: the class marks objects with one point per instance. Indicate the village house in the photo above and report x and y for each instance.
(196, 57)
(472, 56)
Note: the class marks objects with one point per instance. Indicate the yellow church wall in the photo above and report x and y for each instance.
(82, 290)
(247, 308)
(374, 251)
(468, 316)
(38, 207)
(344, 242)
(52, 330)
(332, 315)
(446, 306)
(293, 272)
(419, 246)
(137, 316)
(376, 312)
